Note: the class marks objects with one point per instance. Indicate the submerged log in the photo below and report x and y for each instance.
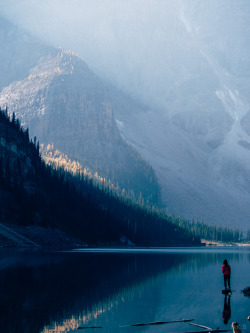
(201, 326)
(88, 327)
(208, 331)
(160, 322)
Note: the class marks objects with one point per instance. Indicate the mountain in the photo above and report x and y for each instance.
(63, 103)
(186, 63)
(37, 197)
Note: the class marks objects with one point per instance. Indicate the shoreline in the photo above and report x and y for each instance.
(14, 236)
(209, 243)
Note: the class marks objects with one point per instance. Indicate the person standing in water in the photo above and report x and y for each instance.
(226, 270)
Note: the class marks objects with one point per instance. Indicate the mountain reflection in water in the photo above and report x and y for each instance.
(61, 292)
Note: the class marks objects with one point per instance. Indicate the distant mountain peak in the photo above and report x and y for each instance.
(63, 102)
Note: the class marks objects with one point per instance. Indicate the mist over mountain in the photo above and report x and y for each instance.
(187, 63)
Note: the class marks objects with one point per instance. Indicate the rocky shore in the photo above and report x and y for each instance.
(36, 236)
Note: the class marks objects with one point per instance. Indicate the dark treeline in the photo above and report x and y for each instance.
(32, 193)
(212, 232)
(248, 236)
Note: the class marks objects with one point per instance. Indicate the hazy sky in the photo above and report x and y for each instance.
(143, 46)
(126, 41)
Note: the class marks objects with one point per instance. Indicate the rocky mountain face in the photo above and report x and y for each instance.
(63, 103)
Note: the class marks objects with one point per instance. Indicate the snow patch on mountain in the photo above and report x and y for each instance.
(119, 123)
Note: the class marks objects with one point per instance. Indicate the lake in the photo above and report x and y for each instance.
(113, 289)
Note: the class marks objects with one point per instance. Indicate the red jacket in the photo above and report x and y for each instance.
(226, 270)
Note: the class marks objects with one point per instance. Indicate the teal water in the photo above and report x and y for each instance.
(112, 289)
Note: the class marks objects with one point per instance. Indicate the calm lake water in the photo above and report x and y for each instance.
(64, 291)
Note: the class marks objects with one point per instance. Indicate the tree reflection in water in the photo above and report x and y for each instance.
(58, 292)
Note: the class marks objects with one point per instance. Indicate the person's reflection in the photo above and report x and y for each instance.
(226, 314)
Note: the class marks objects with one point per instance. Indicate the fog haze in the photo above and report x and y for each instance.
(188, 63)
(130, 43)
(143, 46)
